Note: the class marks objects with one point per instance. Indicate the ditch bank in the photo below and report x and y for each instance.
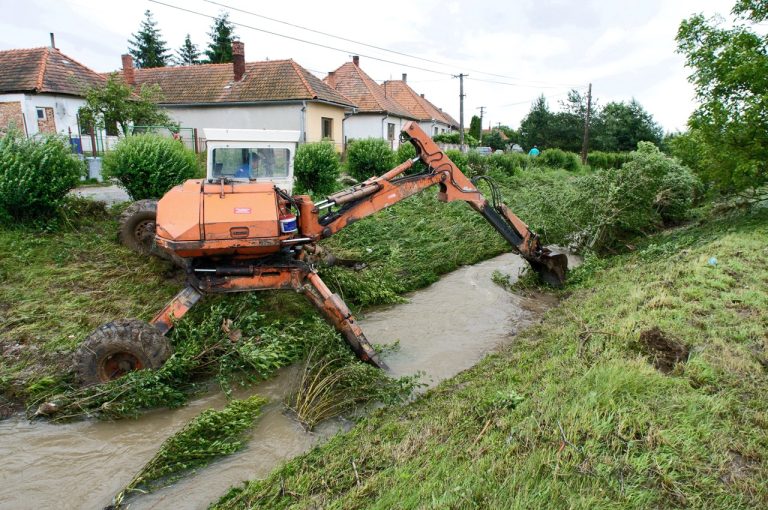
(441, 330)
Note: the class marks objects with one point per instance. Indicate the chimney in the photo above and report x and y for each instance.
(405, 78)
(128, 74)
(238, 59)
(332, 79)
(356, 60)
(53, 41)
(422, 95)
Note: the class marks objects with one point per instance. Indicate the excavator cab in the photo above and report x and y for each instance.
(245, 155)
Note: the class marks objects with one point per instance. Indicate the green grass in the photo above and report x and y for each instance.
(574, 414)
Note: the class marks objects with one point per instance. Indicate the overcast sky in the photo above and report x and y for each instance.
(511, 51)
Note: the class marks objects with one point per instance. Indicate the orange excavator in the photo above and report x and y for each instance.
(241, 235)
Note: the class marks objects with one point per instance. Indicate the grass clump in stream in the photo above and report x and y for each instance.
(211, 435)
(332, 384)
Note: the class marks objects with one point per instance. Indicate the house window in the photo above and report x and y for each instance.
(327, 128)
(40, 113)
(435, 131)
(390, 131)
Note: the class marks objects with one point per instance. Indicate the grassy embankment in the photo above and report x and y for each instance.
(645, 388)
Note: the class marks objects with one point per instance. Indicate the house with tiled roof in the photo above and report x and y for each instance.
(376, 115)
(41, 90)
(432, 119)
(273, 94)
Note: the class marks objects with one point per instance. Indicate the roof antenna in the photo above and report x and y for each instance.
(53, 41)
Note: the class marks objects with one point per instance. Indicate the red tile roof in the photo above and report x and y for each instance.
(273, 80)
(418, 106)
(368, 95)
(44, 70)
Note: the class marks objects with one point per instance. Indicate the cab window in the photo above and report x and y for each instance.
(250, 163)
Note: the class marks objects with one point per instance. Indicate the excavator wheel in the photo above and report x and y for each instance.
(137, 227)
(119, 347)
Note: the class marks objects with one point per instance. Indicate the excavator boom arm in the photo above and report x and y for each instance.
(325, 218)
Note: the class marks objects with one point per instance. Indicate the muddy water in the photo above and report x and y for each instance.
(441, 331)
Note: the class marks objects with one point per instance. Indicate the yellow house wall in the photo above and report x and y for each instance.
(314, 126)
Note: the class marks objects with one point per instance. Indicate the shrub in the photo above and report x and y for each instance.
(556, 158)
(148, 165)
(599, 210)
(316, 168)
(408, 151)
(607, 160)
(506, 163)
(369, 157)
(35, 175)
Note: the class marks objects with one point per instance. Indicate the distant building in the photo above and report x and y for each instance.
(41, 90)
(432, 119)
(274, 94)
(376, 115)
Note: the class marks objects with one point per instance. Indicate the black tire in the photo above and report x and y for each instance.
(137, 227)
(119, 347)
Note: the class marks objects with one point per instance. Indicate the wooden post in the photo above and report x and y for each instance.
(194, 135)
(585, 143)
(93, 142)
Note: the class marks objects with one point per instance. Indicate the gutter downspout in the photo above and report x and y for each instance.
(304, 121)
(383, 137)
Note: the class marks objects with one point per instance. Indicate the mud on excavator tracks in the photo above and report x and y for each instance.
(234, 232)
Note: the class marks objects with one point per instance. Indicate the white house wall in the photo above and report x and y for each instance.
(429, 127)
(360, 126)
(288, 116)
(64, 110)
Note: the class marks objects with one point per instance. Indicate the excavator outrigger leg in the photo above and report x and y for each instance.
(300, 278)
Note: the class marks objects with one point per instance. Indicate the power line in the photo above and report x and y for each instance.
(326, 34)
(348, 52)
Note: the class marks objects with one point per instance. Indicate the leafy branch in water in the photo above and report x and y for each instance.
(210, 435)
(229, 340)
(334, 383)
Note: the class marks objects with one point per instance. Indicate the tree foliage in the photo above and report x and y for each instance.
(220, 46)
(618, 126)
(147, 47)
(621, 126)
(475, 127)
(116, 107)
(536, 127)
(188, 54)
(730, 74)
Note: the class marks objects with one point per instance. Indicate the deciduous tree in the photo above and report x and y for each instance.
(730, 74)
(116, 107)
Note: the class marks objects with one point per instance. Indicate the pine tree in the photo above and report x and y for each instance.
(147, 47)
(188, 54)
(222, 34)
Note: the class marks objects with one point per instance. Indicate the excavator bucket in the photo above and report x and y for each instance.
(551, 267)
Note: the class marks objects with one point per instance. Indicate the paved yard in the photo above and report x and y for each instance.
(109, 194)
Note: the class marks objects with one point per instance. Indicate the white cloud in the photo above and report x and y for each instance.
(626, 49)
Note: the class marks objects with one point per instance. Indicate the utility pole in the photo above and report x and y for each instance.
(482, 112)
(461, 109)
(585, 143)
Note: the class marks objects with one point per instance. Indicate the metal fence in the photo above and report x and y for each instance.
(95, 142)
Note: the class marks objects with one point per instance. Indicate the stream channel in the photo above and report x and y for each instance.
(443, 329)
